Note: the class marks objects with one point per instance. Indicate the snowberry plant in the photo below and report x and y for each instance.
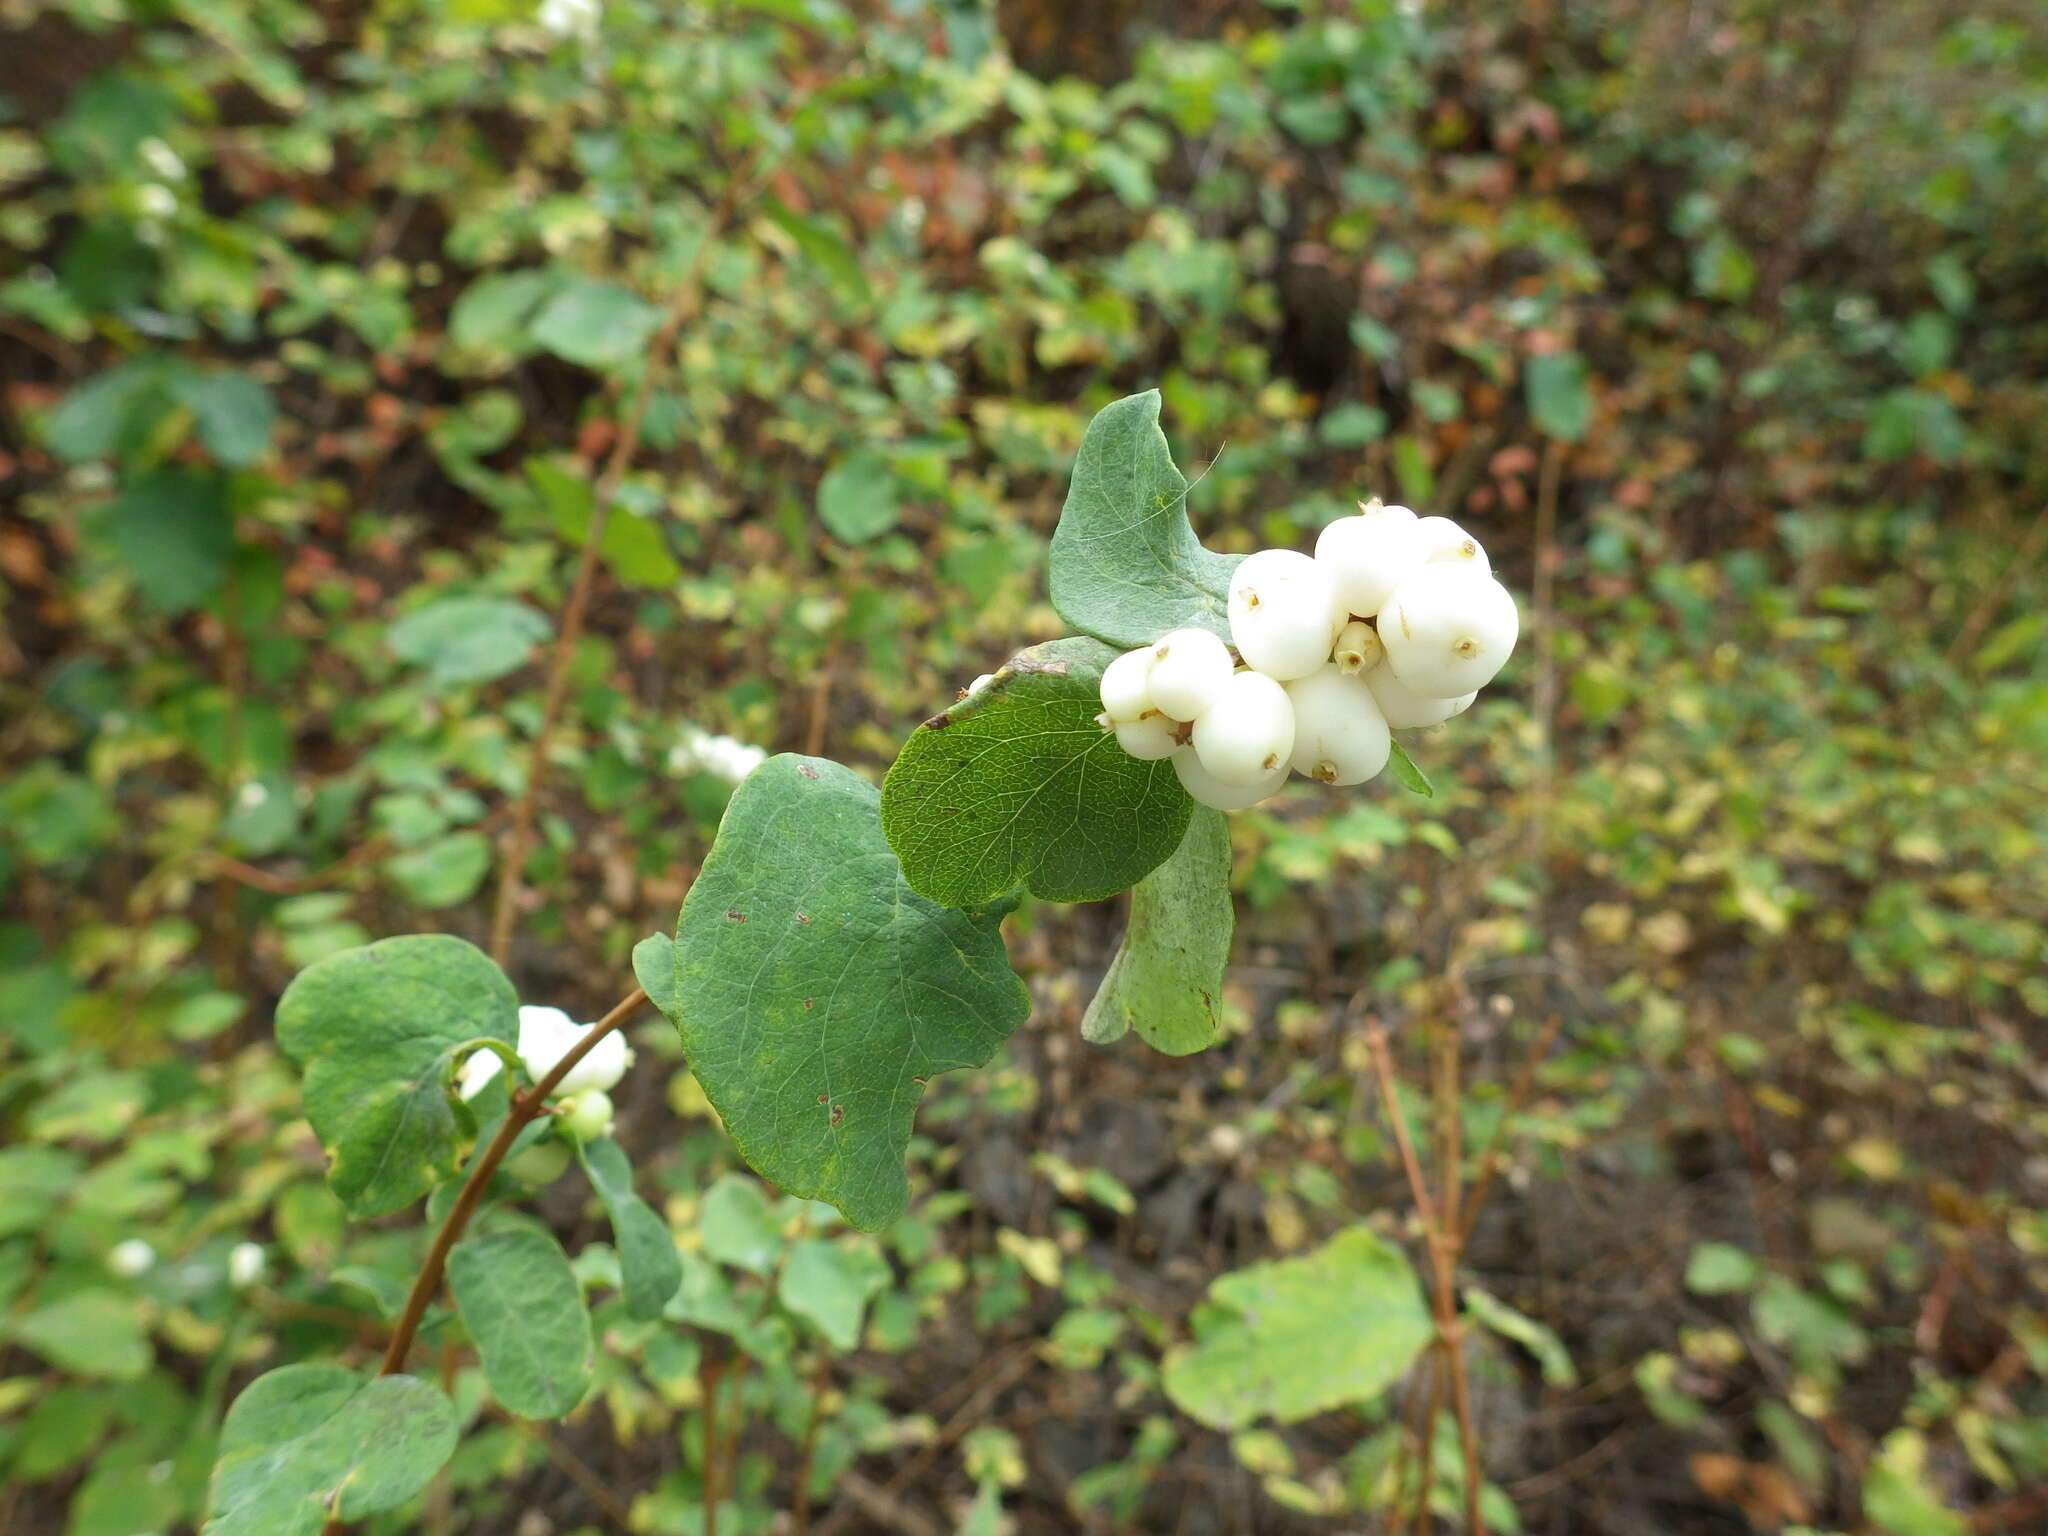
(842, 944)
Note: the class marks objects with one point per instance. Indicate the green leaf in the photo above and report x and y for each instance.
(235, 413)
(377, 1030)
(467, 639)
(654, 966)
(830, 1284)
(737, 1226)
(857, 498)
(113, 413)
(1296, 1337)
(1896, 1497)
(172, 529)
(1719, 1269)
(1126, 566)
(1407, 774)
(816, 992)
(632, 546)
(650, 1269)
(1166, 981)
(88, 1333)
(595, 324)
(1017, 784)
(1551, 1356)
(833, 257)
(495, 312)
(520, 1302)
(1559, 401)
(309, 1441)
(443, 872)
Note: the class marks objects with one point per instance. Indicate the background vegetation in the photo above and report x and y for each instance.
(1725, 325)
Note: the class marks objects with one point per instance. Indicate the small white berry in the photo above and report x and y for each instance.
(1340, 736)
(1211, 791)
(1247, 732)
(1125, 694)
(546, 1035)
(1403, 707)
(1190, 670)
(1148, 739)
(1442, 540)
(131, 1257)
(1448, 629)
(1368, 555)
(1358, 648)
(245, 1265)
(1283, 613)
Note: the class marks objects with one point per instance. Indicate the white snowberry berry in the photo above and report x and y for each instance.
(1448, 629)
(1125, 694)
(1190, 670)
(1248, 731)
(1211, 791)
(1403, 707)
(546, 1035)
(1283, 613)
(1148, 739)
(245, 1265)
(1340, 736)
(1368, 555)
(1443, 541)
(1358, 648)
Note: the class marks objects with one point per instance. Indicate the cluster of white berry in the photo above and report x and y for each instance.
(583, 1105)
(1395, 622)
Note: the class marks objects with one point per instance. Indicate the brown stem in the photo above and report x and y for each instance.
(1427, 1442)
(709, 1373)
(519, 840)
(577, 1470)
(1995, 595)
(1443, 1264)
(807, 1451)
(519, 1114)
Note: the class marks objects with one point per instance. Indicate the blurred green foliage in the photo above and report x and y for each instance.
(318, 326)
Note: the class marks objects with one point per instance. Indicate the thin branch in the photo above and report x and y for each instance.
(577, 1470)
(524, 1108)
(1443, 1262)
(807, 1451)
(709, 1374)
(1993, 599)
(519, 840)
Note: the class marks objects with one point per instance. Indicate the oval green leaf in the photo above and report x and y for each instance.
(521, 1304)
(1272, 1345)
(816, 992)
(1017, 785)
(306, 1442)
(1166, 981)
(650, 1269)
(1125, 565)
(376, 1030)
